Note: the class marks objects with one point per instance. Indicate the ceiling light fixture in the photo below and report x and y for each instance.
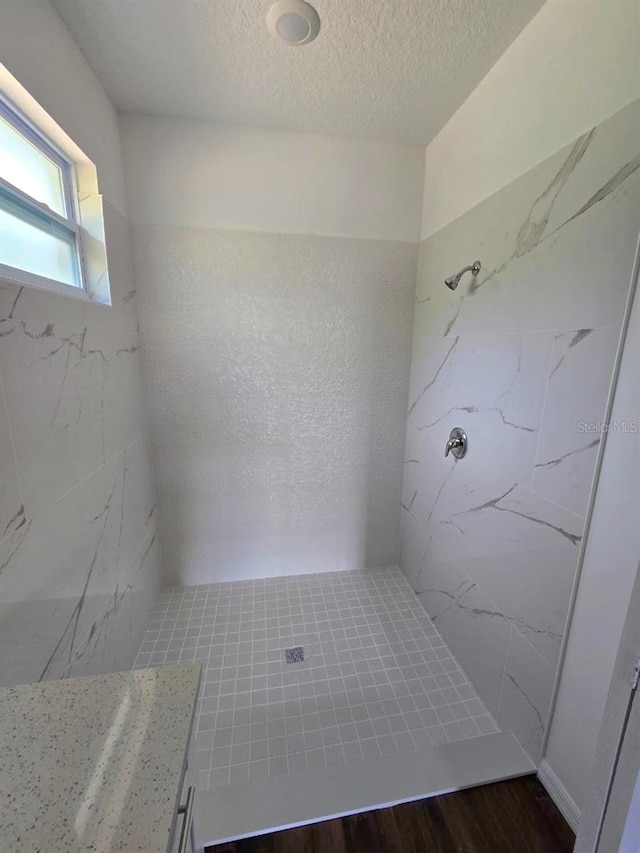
(293, 21)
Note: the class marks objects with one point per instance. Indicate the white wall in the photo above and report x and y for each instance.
(623, 809)
(209, 176)
(276, 273)
(38, 49)
(608, 574)
(576, 63)
(78, 544)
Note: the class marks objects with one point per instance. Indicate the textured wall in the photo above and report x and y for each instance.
(276, 277)
(277, 374)
(518, 358)
(79, 556)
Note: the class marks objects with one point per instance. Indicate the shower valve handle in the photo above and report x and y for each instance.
(457, 443)
(453, 442)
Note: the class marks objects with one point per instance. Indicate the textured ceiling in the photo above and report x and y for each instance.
(396, 69)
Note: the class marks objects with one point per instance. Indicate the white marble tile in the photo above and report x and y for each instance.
(57, 424)
(29, 632)
(96, 271)
(411, 467)
(579, 379)
(547, 242)
(517, 357)
(114, 637)
(121, 316)
(522, 550)
(493, 387)
(413, 545)
(471, 625)
(73, 597)
(135, 503)
(526, 694)
(76, 560)
(11, 509)
(119, 385)
(533, 595)
(84, 404)
(28, 304)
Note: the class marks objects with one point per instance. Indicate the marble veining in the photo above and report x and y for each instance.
(521, 358)
(532, 230)
(575, 403)
(99, 570)
(95, 763)
(574, 340)
(80, 563)
(494, 503)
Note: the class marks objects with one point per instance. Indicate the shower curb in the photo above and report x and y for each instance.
(228, 813)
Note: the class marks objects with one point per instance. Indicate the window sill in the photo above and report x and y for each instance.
(29, 279)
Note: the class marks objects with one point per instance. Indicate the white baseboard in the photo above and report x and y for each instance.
(559, 795)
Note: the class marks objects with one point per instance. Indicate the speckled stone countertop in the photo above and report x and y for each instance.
(96, 763)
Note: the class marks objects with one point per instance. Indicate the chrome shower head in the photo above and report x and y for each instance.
(454, 280)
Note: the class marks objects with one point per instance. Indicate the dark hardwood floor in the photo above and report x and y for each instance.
(516, 816)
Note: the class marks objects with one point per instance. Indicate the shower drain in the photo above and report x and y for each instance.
(294, 655)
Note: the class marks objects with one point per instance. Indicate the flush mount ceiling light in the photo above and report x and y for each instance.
(293, 21)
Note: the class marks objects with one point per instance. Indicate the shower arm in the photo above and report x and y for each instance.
(473, 268)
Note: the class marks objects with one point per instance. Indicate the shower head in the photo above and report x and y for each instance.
(454, 280)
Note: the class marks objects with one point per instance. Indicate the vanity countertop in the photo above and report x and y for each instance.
(95, 763)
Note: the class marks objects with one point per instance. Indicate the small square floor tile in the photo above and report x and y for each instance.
(369, 673)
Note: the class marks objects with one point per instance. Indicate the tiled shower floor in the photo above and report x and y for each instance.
(376, 679)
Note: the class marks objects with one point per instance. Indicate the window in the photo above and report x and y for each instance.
(40, 230)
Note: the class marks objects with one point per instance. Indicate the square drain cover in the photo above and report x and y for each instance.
(294, 655)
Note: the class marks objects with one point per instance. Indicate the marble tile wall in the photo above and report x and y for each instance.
(522, 359)
(79, 556)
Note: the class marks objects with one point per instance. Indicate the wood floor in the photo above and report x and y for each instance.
(516, 816)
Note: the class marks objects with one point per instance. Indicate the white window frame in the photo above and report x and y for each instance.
(70, 225)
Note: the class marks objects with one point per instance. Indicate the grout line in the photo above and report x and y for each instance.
(504, 670)
(80, 482)
(556, 504)
(351, 615)
(5, 405)
(552, 348)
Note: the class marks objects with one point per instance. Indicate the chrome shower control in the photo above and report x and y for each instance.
(457, 444)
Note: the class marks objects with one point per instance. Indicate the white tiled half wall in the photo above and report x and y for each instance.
(377, 677)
